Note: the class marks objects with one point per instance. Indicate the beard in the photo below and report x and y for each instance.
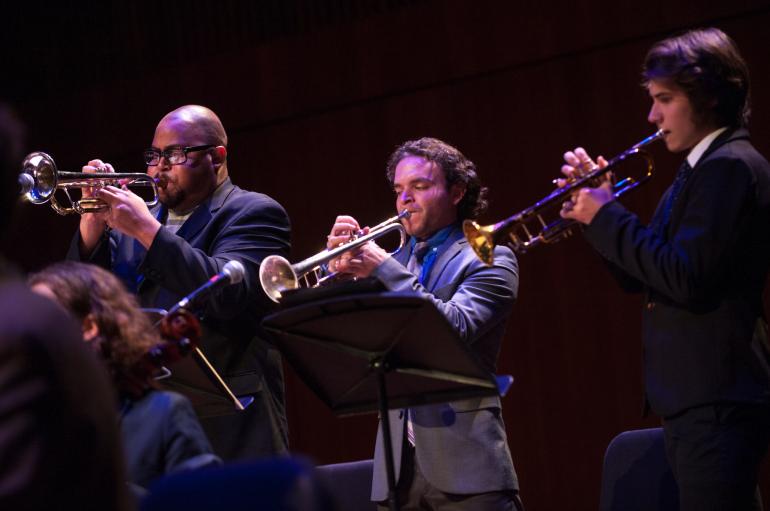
(171, 198)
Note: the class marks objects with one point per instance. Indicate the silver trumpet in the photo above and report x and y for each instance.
(277, 275)
(40, 179)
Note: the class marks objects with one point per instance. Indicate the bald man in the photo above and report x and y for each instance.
(164, 253)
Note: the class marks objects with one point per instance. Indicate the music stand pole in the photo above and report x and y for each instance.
(380, 367)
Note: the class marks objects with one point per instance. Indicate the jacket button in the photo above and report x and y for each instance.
(650, 306)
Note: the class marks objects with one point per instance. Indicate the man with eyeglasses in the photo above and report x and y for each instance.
(164, 253)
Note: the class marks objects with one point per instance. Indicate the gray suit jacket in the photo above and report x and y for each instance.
(460, 446)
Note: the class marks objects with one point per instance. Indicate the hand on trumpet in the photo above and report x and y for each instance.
(127, 213)
(585, 202)
(92, 224)
(359, 262)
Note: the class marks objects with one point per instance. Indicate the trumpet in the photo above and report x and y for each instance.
(530, 228)
(277, 275)
(40, 179)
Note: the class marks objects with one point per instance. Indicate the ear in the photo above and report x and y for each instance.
(90, 328)
(219, 155)
(457, 192)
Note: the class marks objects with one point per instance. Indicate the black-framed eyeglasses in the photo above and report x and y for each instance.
(173, 155)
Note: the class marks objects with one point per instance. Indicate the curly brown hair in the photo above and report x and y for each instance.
(125, 332)
(457, 170)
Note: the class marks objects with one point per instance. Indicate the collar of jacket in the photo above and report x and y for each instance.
(729, 135)
(202, 214)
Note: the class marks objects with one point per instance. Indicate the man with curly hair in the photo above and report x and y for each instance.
(452, 454)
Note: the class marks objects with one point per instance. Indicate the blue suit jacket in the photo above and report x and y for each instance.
(704, 337)
(162, 435)
(460, 446)
(231, 224)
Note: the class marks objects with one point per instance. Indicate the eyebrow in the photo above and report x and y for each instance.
(172, 146)
(416, 180)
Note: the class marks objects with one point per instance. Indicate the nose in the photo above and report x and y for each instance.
(405, 197)
(654, 116)
(163, 161)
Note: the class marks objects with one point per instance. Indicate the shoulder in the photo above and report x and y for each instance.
(736, 153)
(504, 258)
(248, 202)
(166, 399)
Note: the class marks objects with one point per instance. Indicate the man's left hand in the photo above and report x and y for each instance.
(363, 261)
(129, 214)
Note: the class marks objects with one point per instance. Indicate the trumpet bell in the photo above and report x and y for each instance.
(277, 276)
(480, 239)
(38, 179)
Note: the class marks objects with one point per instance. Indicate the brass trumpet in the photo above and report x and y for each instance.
(277, 275)
(40, 179)
(529, 228)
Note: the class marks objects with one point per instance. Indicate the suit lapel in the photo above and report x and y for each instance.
(726, 136)
(447, 251)
(197, 221)
(202, 215)
(402, 255)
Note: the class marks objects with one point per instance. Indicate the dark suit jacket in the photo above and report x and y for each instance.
(232, 224)
(162, 435)
(704, 337)
(460, 446)
(59, 444)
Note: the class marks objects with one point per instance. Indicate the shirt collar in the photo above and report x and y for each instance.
(700, 148)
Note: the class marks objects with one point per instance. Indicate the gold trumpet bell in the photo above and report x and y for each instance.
(483, 239)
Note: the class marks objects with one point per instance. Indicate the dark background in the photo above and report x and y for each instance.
(316, 94)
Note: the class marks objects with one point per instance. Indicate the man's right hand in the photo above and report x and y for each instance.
(92, 225)
(343, 229)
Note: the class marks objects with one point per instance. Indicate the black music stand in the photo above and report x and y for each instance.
(377, 351)
(194, 377)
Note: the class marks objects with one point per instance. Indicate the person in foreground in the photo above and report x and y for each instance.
(453, 455)
(701, 264)
(59, 446)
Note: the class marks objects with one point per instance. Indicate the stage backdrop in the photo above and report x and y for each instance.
(316, 94)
